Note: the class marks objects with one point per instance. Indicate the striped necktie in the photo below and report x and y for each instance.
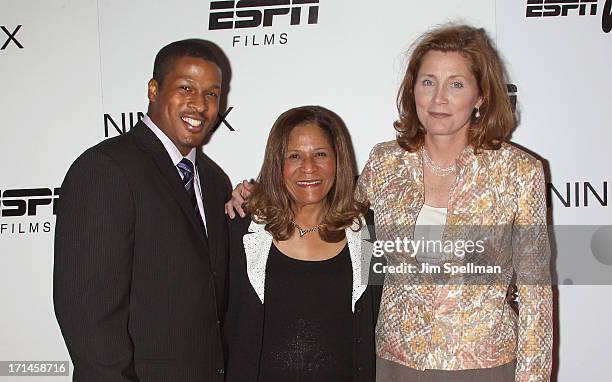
(186, 168)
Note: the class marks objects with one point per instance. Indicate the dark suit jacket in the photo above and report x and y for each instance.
(139, 293)
(245, 318)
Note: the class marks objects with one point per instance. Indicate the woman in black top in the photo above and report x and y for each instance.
(300, 308)
(305, 319)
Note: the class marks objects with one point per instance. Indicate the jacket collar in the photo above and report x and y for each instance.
(409, 179)
(258, 241)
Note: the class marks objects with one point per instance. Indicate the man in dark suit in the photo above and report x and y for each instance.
(141, 241)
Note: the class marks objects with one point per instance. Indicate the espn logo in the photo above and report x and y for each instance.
(254, 13)
(553, 8)
(25, 202)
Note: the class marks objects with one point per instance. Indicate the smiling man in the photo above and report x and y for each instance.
(141, 242)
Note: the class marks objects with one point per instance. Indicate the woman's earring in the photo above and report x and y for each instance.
(477, 114)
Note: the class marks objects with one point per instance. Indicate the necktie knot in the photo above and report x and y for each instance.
(186, 168)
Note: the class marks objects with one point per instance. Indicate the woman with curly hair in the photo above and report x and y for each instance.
(300, 308)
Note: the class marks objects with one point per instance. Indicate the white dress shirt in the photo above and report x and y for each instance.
(176, 157)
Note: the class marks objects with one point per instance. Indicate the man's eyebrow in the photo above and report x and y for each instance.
(192, 81)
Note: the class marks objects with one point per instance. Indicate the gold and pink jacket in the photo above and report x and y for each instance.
(467, 323)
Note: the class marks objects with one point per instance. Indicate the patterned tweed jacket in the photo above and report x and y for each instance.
(464, 322)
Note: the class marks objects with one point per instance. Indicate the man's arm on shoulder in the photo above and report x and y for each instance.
(94, 242)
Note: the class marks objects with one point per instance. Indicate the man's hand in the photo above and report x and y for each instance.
(239, 196)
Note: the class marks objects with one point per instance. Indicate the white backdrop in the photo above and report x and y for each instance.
(561, 65)
(82, 59)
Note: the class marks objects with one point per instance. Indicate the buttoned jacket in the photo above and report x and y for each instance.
(139, 290)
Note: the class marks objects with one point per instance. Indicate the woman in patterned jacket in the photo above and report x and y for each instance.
(451, 178)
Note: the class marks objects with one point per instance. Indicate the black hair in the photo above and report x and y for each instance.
(164, 60)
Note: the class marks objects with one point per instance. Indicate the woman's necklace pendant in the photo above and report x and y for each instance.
(303, 231)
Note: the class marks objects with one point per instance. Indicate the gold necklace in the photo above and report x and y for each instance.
(435, 168)
(305, 231)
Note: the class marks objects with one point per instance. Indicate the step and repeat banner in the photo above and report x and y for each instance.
(559, 55)
(74, 72)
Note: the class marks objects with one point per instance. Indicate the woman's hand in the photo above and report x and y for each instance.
(239, 196)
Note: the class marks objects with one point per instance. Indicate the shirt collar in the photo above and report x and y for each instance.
(172, 150)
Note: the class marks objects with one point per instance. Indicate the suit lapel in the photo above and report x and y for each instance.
(257, 245)
(169, 174)
(211, 203)
(360, 250)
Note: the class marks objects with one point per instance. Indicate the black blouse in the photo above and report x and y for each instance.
(308, 333)
(247, 319)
